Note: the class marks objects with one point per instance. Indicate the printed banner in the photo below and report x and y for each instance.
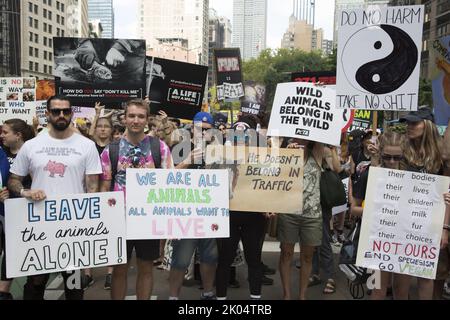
(402, 222)
(17, 99)
(65, 233)
(175, 87)
(255, 98)
(363, 120)
(228, 70)
(303, 110)
(44, 90)
(378, 58)
(324, 77)
(328, 78)
(261, 179)
(177, 204)
(109, 71)
(440, 75)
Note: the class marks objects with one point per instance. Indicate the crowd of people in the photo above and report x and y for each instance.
(94, 158)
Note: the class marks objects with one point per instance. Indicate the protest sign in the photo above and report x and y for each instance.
(327, 78)
(44, 90)
(177, 204)
(255, 98)
(109, 71)
(228, 71)
(362, 120)
(261, 179)
(65, 233)
(378, 58)
(175, 87)
(324, 77)
(17, 99)
(402, 222)
(303, 110)
(440, 75)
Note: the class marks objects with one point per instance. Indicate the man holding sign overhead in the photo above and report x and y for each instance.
(60, 162)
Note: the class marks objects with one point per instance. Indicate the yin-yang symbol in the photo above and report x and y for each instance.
(393, 57)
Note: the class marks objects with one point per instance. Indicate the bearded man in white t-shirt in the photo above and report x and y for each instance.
(60, 162)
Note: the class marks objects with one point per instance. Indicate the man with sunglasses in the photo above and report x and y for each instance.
(135, 150)
(60, 162)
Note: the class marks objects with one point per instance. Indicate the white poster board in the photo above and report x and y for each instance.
(378, 58)
(65, 233)
(17, 99)
(303, 110)
(402, 222)
(177, 204)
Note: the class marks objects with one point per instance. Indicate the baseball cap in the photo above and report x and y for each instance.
(220, 118)
(423, 113)
(204, 117)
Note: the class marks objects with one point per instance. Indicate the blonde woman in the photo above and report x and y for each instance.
(389, 154)
(423, 153)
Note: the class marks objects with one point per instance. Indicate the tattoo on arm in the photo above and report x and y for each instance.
(92, 183)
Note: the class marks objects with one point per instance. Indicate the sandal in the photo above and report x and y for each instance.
(314, 280)
(330, 287)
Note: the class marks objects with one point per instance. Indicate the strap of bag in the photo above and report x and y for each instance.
(155, 148)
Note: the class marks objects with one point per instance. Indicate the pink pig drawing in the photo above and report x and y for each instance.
(55, 168)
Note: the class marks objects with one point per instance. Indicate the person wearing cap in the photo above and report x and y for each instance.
(183, 249)
(248, 227)
(423, 153)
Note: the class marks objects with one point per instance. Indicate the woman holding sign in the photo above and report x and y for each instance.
(305, 226)
(424, 151)
(389, 154)
(15, 132)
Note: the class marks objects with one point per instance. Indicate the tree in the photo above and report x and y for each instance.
(275, 66)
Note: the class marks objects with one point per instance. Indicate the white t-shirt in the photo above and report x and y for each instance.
(58, 166)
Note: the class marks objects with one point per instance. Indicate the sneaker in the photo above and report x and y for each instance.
(108, 280)
(234, 284)
(6, 296)
(266, 281)
(209, 297)
(268, 271)
(87, 281)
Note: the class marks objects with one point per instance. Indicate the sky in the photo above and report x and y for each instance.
(277, 22)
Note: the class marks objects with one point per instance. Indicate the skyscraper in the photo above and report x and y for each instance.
(103, 10)
(168, 22)
(249, 27)
(10, 38)
(304, 10)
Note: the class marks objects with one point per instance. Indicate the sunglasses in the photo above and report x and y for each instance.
(136, 155)
(388, 157)
(57, 112)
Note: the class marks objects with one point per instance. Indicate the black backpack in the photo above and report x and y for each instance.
(114, 156)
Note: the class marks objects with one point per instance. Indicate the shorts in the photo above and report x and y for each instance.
(184, 249)
(443, 267)
(292, 228)
(146, 250)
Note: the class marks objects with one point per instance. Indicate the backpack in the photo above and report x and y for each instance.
(114, 156)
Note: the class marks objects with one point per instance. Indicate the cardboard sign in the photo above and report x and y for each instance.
(402, 222)
(109, 71)
(65, 233)
(378, 59)
(303, 110)
(261, 179)
(177, 204)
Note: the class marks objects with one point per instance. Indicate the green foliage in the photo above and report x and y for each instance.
(275, 66)
(425, 93)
